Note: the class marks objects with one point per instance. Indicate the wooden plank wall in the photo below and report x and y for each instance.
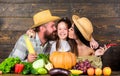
(16, 18)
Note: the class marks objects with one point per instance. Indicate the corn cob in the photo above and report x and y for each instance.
(29, 45)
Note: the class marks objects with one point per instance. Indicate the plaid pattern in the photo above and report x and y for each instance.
(20, 49)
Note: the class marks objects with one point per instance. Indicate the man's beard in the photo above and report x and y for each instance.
(51, 37)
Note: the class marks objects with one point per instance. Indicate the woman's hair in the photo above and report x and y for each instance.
(80, 36)
(68, 23)
(82, 39)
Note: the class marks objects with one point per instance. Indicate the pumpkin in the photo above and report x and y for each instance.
(63, 60)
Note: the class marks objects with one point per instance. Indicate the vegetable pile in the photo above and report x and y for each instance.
(15, 65)
(41, 65)
(8, 64)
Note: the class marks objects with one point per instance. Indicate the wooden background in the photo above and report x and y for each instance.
(16, 18)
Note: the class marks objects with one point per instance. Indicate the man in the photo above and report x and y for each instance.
(44, 27)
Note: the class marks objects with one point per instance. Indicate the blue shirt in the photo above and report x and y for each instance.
(20, 50)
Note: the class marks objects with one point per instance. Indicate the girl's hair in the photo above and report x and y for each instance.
(68, 23)
(66, 20)
(80, 36)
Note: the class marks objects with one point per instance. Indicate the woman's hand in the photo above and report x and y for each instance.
(30, 33)
(93, 44)
(101, 51)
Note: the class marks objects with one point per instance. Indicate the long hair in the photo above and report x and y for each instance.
(68, 22)
(73, 46)
(80, 36)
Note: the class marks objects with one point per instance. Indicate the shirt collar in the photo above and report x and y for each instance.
(38, 41)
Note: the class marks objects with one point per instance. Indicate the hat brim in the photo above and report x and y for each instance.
(52, 18)
(79, 26)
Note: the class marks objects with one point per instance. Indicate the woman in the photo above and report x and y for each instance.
(81, 31)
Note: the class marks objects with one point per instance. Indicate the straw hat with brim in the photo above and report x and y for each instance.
(84, 25)
(43, 17)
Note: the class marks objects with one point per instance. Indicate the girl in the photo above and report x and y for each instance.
(63, 42)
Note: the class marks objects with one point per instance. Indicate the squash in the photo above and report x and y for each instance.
(63, 60)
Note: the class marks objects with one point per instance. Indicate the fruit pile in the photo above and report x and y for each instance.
(83, 65)
(106, 71)
(90, 70)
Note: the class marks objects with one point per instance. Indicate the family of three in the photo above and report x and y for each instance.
(52, 33)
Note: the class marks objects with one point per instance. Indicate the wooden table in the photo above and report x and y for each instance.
(114, 73)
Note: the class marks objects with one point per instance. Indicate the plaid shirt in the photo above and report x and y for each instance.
(20, 49)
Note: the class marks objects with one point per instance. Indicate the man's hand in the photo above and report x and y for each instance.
(31, 57)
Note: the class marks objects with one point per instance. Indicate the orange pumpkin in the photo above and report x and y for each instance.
(63, 59)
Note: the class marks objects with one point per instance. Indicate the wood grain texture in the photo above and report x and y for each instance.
(96, 10)
(9, 37)
(59, 1)
(28, 10)
(15, 24)
(61, 9)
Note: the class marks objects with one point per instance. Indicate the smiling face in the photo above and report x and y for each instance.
(50, 31)
(72, 34)
(62, 30)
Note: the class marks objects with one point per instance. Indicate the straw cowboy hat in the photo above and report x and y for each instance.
(84, 25)
(43, 17)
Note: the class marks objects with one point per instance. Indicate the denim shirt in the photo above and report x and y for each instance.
(20, 50)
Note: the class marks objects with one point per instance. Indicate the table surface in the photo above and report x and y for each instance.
(114, 73)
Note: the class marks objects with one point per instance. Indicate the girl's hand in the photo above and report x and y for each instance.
(30, 33)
